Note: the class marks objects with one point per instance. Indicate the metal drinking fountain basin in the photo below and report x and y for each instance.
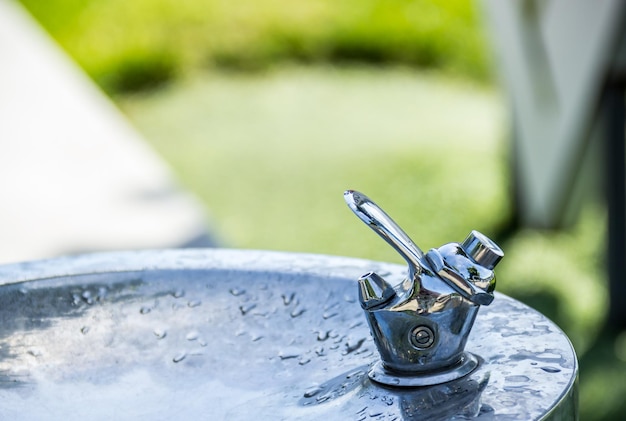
(233, 334)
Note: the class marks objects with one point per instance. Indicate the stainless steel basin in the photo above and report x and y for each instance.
(226, 334)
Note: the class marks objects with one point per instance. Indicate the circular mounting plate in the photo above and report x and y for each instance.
(466, 365)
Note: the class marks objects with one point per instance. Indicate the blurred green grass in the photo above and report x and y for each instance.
(132, 45)
(282, 147)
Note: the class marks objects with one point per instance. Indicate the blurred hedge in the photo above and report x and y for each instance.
(130, 45)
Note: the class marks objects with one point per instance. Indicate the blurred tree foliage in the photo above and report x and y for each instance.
(133, 45)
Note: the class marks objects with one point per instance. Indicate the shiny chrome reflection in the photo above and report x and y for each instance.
(421, 325)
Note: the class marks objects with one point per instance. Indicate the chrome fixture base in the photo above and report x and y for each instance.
(465, 366)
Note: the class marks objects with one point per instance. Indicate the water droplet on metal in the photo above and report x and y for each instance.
(329, 315)
(145, 310)
(320, 351)
(159, 333)
(387, 400)
(237, 291)
(312, 391)
(192, 336)
(322, 335)
(353, 346)
(84, 330)
(87, 297)
(322, 398)
(178, 293)
(304, 361)
(297, 312)
(179, 357)
(245, 309)
(194, 303)
(287, 299)
(485, 409)
(550, 369)
(288, 355)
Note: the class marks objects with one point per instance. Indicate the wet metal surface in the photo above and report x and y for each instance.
(223, 334)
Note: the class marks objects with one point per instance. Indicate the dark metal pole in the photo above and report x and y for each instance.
(616, 203)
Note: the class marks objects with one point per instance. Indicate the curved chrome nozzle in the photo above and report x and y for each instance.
(376, 218)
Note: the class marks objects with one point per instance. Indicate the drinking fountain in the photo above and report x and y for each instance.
(242, 334)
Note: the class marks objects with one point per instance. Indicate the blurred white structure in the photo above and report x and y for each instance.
(74, 176)
(563, 64)
(555, 57)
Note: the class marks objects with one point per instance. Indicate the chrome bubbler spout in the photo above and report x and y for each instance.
(421, 325)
